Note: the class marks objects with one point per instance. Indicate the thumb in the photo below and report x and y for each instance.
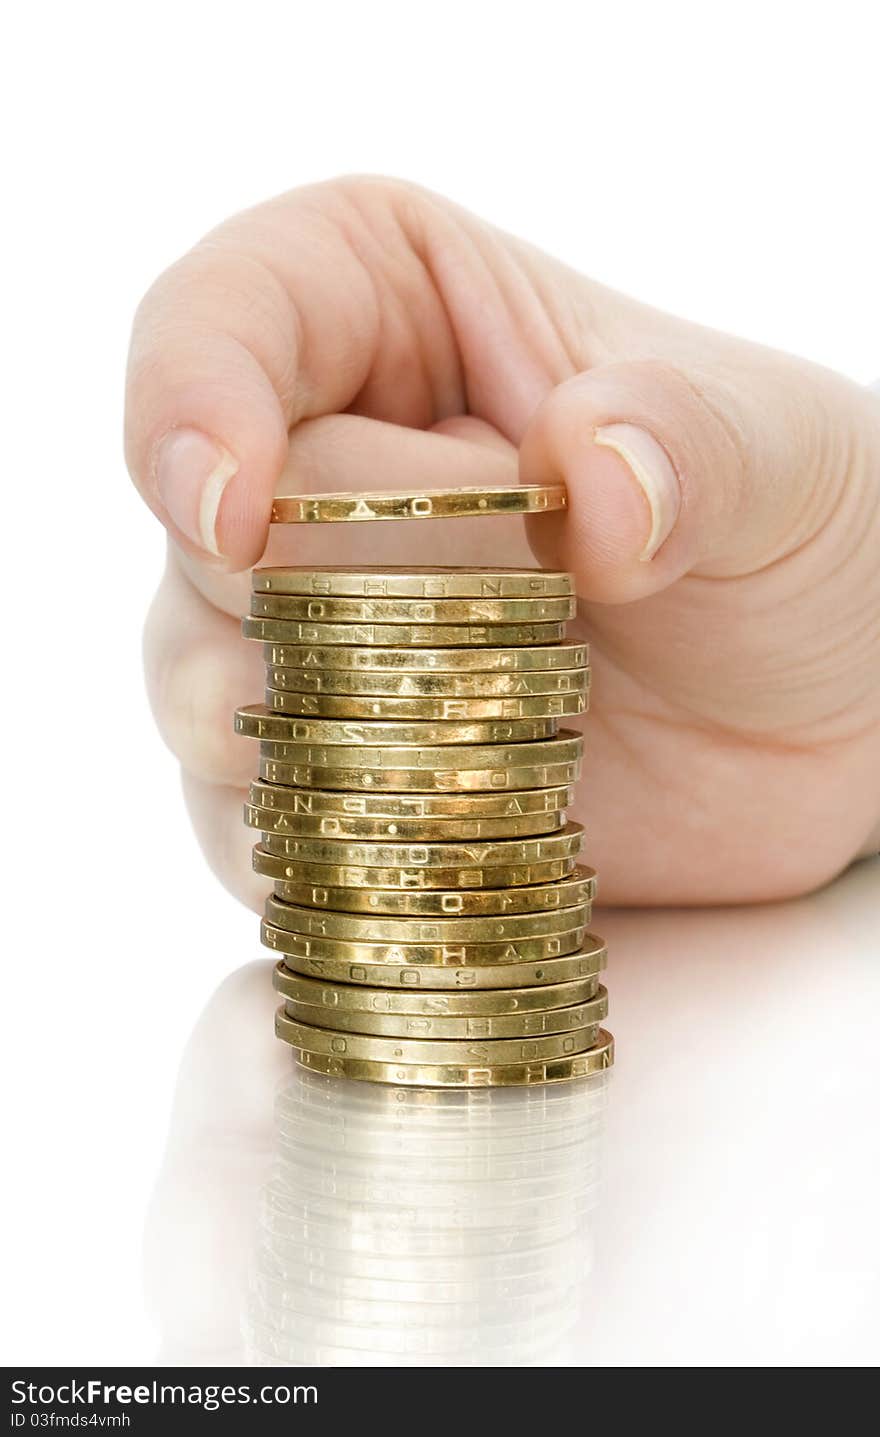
(671, 471)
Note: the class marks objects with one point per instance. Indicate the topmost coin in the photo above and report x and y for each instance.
(433, 504)
(414, 583)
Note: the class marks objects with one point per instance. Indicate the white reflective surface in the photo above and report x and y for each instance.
(425, 1229)
(712, 1202)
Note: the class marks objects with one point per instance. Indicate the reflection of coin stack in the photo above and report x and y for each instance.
(428, 910)
(411, 1228)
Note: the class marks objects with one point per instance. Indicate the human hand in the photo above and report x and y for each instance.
(723, 521)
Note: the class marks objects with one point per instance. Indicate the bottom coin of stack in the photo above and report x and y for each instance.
(429, 912)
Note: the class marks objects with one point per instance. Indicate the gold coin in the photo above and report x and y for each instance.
(391, 683)
(504, 896)
(332, 740)
(544, 709)
(378, 928)
(378, 881)
(543, 1023)
(417, 504)
(510, 1002)
(377, 729)
(415, 583)
(404, 780)
(490, 1052)
(511, 851)
(555, 1070)
(571, 967)
(281, 824)
(459, 955)
(425, 901)
(471, 807)
(389, 636)
(551, 1022)
(494, 660)
(335, 610)
(328, 743)
(544, 896)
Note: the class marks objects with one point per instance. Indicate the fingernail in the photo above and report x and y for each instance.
(192, 472)
(652, 470)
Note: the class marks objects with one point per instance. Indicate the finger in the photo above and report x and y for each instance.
(199, 668)
(477, 431)
(297, 309)
(354, 452)
(672, 471)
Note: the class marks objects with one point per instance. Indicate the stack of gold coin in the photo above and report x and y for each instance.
(429, 911)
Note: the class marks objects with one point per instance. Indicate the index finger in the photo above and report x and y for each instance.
(311, 304)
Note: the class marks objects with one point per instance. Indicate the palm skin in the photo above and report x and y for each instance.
(380, 338)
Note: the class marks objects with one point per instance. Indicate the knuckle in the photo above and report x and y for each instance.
(217, 288)
(189, 689)
(371, 189)
(216, 814)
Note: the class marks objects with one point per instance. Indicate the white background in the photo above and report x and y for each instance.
(716, 160)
